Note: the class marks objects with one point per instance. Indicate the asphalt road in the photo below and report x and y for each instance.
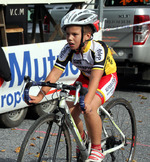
(139, 97)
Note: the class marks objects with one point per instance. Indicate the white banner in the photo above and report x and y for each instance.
(36, 61)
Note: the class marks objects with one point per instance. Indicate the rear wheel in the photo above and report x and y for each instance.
(123, 115)
(46, 141)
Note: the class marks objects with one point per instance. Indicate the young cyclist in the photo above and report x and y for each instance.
(98, 73)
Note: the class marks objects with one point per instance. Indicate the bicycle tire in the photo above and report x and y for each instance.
(46, 126)
(123, 115)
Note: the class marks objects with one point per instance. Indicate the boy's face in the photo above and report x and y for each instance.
(73, 36)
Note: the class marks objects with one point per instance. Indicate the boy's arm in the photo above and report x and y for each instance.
(53, 76)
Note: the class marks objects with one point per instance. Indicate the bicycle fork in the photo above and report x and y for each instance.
(72, 126)
(58, 139)
(77, 136)
(105, 132)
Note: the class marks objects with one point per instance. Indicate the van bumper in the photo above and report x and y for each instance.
(127, 70)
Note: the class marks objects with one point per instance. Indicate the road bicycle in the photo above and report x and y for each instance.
(51, 136)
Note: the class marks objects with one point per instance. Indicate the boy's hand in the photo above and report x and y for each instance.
(35, 99)
(88, 108)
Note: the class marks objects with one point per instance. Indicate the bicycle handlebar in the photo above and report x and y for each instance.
(77, 87)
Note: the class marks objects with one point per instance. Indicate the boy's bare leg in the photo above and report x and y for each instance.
(75, 112)
(93, 122)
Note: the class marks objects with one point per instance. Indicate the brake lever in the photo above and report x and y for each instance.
(76, 95)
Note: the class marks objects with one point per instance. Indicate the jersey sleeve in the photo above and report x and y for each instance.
(100, 55)
(104, 59)
(63, 58)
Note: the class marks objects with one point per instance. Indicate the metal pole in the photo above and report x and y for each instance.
(100, 9)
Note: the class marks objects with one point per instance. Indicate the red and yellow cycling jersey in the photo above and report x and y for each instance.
(96, 55)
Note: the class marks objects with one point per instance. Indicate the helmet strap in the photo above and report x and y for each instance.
(83, 43)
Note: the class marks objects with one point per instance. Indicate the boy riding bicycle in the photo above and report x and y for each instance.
(98, 73)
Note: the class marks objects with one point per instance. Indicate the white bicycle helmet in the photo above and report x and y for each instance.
(80, 17)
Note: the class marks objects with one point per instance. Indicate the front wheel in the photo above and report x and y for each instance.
(46, 141)
(123, 115)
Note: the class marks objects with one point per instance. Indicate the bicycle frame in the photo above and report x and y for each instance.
(101, 108)
(71, 124)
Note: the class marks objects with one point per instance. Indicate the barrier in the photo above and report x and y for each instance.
(36, 61)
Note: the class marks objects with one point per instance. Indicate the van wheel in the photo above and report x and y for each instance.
(13, 118)
(45, 107)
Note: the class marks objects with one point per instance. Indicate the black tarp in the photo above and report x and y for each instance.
(5, 72)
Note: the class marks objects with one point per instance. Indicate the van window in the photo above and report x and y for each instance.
(126, 2)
